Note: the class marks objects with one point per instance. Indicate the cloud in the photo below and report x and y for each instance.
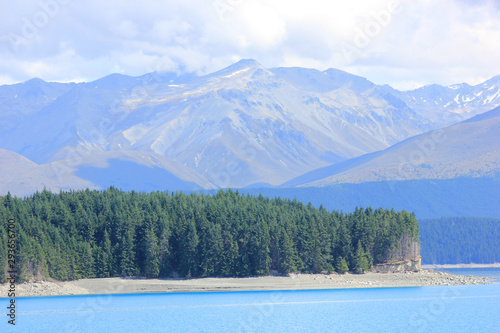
(422, 42)
(448, 43)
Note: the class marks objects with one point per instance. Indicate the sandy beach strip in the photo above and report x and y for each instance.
(292, 282)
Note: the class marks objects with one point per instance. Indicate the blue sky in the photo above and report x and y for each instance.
(404, 43)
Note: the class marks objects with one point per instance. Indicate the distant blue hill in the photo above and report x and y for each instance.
(127, 176)
(478, 197)
(460, 240)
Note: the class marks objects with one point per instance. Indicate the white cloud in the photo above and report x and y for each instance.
(261, 25)
(439, 41)
(125, 29)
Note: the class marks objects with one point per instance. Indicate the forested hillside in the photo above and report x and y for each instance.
(460, 240)
(85, 234)
(428, 198)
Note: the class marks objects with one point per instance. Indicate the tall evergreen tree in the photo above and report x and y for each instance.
(188, 265)
(127, 254)
(361, 263)
(152, 254)
(342, 266)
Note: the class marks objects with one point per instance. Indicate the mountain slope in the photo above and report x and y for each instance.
(13, 166)
(20, 101)
(127, 170)
(467, 149)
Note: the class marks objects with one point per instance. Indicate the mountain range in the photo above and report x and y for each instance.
(452, 104)
(244, 125)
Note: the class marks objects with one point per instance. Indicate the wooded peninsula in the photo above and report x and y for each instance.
(112, 233)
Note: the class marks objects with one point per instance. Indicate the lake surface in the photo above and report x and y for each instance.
(422, 309)
(491, 272)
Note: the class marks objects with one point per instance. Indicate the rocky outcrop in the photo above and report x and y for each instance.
(411, 265)
(403, 256)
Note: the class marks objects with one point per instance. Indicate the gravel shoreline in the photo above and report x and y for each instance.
(293, 282)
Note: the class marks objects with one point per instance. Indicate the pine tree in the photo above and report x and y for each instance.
(87, 261)
(106, 265)
(341, 265)
(152, 254)
(127, 254)
(288, 255)
(361, 263)
(230, 256)
(188, 265)
(211, 244)
(164, 253)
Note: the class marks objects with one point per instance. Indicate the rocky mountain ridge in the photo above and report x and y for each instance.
(242, 125)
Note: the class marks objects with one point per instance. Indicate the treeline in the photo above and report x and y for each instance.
(87, 234)
(460, 240)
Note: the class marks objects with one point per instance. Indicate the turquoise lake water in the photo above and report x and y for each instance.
(422, 309)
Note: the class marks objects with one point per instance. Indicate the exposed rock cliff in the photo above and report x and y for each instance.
(403, 257)
(412, 265)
